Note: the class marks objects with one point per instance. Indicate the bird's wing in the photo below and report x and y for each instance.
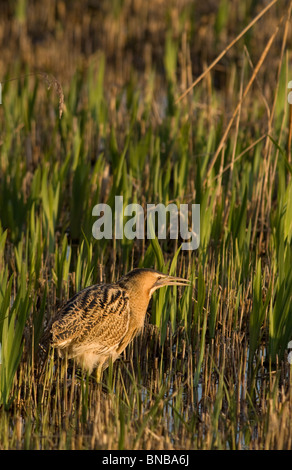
(98, 315)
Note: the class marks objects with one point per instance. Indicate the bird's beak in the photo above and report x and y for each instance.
(172, 281)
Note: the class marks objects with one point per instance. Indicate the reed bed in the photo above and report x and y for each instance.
(157, 102)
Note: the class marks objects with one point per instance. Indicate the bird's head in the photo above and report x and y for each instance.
(148, 280)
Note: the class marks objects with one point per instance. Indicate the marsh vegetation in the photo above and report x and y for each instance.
(211, 369)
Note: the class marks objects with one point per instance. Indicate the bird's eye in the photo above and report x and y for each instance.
(159, 277)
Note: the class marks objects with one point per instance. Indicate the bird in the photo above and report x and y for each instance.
(97, 324)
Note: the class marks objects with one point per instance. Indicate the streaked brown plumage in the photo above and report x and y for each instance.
(98, 323)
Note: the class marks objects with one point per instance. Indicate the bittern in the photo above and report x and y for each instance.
(97, 324)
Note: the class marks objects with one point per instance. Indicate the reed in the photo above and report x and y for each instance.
(211, 369)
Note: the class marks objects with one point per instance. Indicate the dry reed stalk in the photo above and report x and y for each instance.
(268, 141)
(258, 84)
(255, 72)
(274, 167)
(250, 147)
(230, 45)
(264, 177)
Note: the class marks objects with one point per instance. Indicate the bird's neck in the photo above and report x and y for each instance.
(138, 306)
